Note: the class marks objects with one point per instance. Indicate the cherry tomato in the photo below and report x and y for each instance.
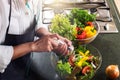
(90, 24)
(86, 69)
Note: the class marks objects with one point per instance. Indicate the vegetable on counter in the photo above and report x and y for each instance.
(112, 71)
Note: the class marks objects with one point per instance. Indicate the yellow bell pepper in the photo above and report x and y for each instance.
(90, 31)
(84, 54)
(81, 53)
(79, 64)
(87, 52)
(87, 28)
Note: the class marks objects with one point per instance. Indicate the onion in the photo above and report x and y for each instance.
(112, 71)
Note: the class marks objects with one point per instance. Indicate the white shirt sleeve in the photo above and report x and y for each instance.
(39, 15)
(6, 53)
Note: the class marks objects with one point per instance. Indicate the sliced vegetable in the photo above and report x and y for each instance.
(86, 69)
(79, 64)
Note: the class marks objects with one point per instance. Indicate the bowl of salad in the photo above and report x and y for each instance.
(87, 34)
(81, 64)
(79, 26)
(87, 28)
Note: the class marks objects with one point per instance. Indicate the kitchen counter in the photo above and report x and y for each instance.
(109, 46)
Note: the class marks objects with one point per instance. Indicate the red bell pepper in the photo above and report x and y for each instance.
(82, 35)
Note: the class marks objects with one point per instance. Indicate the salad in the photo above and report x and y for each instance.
(80, 65)
(76, 25)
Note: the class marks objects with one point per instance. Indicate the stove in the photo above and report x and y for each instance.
(105, 18)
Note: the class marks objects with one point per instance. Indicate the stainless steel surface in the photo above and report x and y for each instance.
(102, 8)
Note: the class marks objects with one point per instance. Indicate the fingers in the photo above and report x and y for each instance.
(63, 49)
(68, 42)
(54, 36)
(49, 47)
(52, 42)
(43, 44)
(63, 44)
(58, 37)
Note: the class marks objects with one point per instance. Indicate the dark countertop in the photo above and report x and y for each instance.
(109, 47)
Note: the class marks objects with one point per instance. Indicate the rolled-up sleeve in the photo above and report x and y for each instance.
(6, 53)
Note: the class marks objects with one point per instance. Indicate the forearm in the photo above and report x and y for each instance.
(42, 31)
(22, 50)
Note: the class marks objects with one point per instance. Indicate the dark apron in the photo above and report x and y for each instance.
(17, 69)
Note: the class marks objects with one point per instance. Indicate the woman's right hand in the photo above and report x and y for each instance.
(44, 44)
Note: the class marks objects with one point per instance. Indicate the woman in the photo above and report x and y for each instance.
(19, 22)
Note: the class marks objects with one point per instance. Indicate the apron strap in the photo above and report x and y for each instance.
(9, 16)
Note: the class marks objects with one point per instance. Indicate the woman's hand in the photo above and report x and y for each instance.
(62, 47)
(44, 44)
(49, 43)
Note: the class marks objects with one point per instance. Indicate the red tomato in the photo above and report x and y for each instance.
(90, 24)
(86, 69)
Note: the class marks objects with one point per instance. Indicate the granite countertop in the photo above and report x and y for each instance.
(109, 46)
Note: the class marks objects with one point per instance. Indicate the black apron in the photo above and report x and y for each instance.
(17, 69)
